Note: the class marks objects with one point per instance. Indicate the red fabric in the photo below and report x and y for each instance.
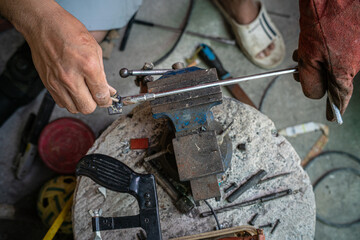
(329, 49)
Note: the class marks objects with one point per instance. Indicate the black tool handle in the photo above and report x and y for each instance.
(210, 58)
(115, 175)
(42, 118)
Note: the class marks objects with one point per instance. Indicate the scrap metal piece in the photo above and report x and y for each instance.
(274, 177)
(253, 219)
(269, 225)
(275, 226)
(265, 198)
(231, 187)
(252, 181)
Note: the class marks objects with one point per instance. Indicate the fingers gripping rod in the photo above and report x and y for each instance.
(128, 100)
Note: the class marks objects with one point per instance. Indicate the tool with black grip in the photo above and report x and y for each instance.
(28, 148)
(208, 55)
(116, 176)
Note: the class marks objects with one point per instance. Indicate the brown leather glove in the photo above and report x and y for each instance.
(329, 49)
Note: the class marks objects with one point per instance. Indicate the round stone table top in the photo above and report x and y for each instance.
(261, 148)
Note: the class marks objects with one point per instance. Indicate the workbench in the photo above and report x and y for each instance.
(256, 145)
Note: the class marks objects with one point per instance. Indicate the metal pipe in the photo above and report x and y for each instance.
(151, 96)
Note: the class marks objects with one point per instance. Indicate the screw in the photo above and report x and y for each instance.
(146, 220)
(147, 195)
(269, 225)
(275, 226)
(253, 219)
(147, 203)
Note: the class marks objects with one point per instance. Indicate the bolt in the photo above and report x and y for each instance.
(269, 225)
(147, 195)
(147, 203)
(253, 219)
(146, 220)
(275, 226)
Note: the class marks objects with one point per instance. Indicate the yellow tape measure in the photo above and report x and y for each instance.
(59, 220)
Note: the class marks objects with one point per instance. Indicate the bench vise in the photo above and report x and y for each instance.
(200, 156)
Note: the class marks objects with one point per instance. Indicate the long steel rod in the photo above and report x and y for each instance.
(151, 96)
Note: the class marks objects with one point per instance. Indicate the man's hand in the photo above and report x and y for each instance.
(329, 49)
(66, 56)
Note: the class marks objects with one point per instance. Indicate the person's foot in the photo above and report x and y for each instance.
(244, 12)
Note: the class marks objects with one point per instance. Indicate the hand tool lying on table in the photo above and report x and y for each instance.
(128, 100)
(118, 177)
(209, 57)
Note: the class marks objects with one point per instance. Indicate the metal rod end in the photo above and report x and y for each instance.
(124, 72)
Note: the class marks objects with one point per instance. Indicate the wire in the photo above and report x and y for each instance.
(326, 174)
(266, 91)
(349, 155)
(186, 21)
(215, 216)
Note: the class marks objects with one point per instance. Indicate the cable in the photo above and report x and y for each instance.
(186, 21)
(326, 174)
(266, 91)
(349, 155)
(215, 216)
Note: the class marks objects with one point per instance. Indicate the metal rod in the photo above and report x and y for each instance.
(265, 198)
(252, 181)
(151, 96)
(124, 72)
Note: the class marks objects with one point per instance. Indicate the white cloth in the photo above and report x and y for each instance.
(101, 14)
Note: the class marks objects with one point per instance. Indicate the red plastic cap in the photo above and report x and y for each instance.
(139, 143)
(63, 143)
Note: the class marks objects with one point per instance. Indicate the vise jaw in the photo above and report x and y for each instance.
(197, 152)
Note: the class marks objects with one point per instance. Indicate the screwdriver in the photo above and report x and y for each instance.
(209, 57)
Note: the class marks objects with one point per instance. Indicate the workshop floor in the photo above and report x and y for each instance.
(336, 198)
